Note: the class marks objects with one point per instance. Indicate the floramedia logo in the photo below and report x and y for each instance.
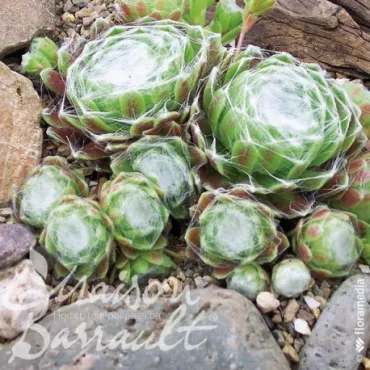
(360, 324)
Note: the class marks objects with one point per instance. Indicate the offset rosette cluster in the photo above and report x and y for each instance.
(169, 164)
(230, 229)
(274, 124)
(328, 242)
(80, 236)
(136, 210)
(44, 190)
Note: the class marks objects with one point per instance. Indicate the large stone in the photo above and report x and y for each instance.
(21, 134)
(22, 20)
(342, 332)
(23, 297)
(236, 338)
(15, 242)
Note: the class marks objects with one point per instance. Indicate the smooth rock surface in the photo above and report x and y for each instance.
(22, 20)
(15, 242)
(22, 292)
(332, 344)
(21, 134)
(237, 337)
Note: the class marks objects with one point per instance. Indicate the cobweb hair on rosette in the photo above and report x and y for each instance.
(276, 125)
(129, 81)
(170, 165)
(79, 235)
(45, 188)
(231, 228)
(329, 242)
(139, 216)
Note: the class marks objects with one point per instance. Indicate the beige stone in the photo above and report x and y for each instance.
(22, 20)
(20, 131)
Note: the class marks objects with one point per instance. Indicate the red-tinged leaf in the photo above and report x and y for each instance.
(320, 213)
(91, 151)
(175, 15)
(222, 272)
(351, 198)
(54, 81)
(193, 236)
(141, 9)
(304, 252)
(313, 231)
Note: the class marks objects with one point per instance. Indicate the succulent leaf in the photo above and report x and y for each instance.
(42, 55)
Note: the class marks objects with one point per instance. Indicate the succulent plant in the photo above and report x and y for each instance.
(360, 95)
(169, 164)
(277, 125)
(80, 236)
(365, 237)
(136, 210)
(145, 265)
(230, 229)
(291, 277)
(228, 20)
(130, 81)
(42, 55)
(328, 242)
(248, 280)
(44, 190)
(156, 9)
(349, 190)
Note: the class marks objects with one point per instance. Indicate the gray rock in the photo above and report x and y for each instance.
(22, 20)
(237, 338)
(21, 134)
(15, 242)
(344, 323)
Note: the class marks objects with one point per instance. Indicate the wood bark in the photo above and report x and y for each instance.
(334, 33)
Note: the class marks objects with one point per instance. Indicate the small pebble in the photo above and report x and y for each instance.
(366, 363)
(288, 337)
(5, 211)
(2, 220)
(267, 302)
(166, 288)
(175, 284)
(305, 315)
(200, 283)
(301, 326)
(364, 268)
(68, 17)
(290, 353)
(277, 319)
(84, 12)
(298, 344)
(291, 310)
(279, 337)
(311, 302)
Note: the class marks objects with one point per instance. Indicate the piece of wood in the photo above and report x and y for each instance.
(334, 33)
